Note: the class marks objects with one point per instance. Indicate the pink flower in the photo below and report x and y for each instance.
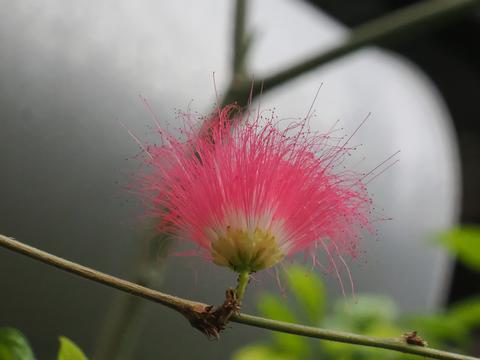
(249, 194)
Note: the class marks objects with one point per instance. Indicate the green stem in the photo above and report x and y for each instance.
(189, 307)
(243, 279)
(401, 23)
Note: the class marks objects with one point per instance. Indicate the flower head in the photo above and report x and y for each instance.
(249, 194)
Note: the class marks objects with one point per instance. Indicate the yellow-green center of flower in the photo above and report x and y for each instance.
(248, 251)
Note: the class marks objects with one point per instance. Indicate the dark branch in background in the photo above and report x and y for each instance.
(195, 311)
(396, 26)
(241, 41)
(123, 323)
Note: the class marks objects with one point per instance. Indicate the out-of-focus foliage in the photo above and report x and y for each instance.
(69, 351)
(308, 291)
(366, 314)
(464, 242)
(14, 346)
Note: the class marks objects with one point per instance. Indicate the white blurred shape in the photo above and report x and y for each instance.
(421, 191)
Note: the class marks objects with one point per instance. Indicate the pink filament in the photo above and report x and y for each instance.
(252, 168)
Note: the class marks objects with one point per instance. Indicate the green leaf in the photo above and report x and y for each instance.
(362, 313)
(464, 242)
(309, 292)
(14, 346)
(371, 315)
(260, 352)
(273, 307)
(467, 312)
(69, 351)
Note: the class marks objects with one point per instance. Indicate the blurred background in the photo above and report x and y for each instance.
(69, 71)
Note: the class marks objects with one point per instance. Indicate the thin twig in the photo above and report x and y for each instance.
(170, 301)
(189, 307)
(401, 23)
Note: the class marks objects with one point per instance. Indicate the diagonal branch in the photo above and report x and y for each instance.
(194, 310)
(398, 24)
